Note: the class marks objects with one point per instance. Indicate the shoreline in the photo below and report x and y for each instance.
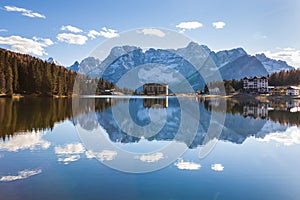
(205, 96)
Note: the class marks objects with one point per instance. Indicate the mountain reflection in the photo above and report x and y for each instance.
(243, 118)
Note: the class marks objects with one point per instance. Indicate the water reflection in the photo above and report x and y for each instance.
(21, 175)
(36, 159)
(156, 102)
(25, 140)
(243, 119)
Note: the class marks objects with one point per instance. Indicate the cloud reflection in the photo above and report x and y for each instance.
(185, 165)
(104, 155)
(69, 152)
(289, 137)
(66, 160)
(151, 157)
(73, 148)
(217, 167)
(24, 141)
(21, 175)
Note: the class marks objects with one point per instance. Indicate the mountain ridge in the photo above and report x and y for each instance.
(194, 52)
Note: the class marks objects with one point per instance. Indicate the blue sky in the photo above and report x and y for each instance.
(63, 29)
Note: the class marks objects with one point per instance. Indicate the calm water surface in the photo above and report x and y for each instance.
(43, 156)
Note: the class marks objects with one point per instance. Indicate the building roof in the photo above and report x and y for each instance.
(293, 88)
(255, 77)
(155, 84)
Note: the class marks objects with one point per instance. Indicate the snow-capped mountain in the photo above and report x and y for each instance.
(74, 67)
(52, 61)
(86, 65)
(222, 58)
(272, 65)
(187, 61)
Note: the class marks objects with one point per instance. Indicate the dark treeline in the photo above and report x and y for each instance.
(33, 114)
(285, 78)
(285, 117)
(230, 86)
(24, 74)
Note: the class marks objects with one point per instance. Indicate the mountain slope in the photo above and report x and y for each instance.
(74, 67)
(243, 67)
(272, 65)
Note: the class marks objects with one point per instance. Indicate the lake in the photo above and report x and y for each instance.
(149, 148)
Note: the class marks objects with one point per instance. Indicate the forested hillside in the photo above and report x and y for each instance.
(285, 78)
(24, 74)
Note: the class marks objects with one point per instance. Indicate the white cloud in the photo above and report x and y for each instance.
(217, 167)
(25, 12)
(73, 148)
(45, 41)
(24, 141)
(27, 46)
(184, 165)
(105, 155)
(3, 30)
(290, 55)
(153, 31)
(189, 25)
(93, 34)
(218, 25)
(71, 29)
(151, 157)
(290, 137)
(21, 175)
(72, 38)
(105, 32)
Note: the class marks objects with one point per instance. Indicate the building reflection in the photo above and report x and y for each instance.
(156, 102)
(259, 110)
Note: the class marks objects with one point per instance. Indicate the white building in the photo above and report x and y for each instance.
(292, 90)
(256, 84)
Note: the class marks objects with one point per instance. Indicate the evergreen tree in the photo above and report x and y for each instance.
(2, 80)
(9, 81)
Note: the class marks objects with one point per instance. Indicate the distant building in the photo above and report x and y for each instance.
(292, 90)
(155, 89)
(256, 84)
(277, 90)
(106, 92)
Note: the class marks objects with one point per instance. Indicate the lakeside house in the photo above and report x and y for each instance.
(106, 92)
(257, 84)
(277, 90)
(155, 89)
(261, 85)
(292, 90)
(284, 90)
